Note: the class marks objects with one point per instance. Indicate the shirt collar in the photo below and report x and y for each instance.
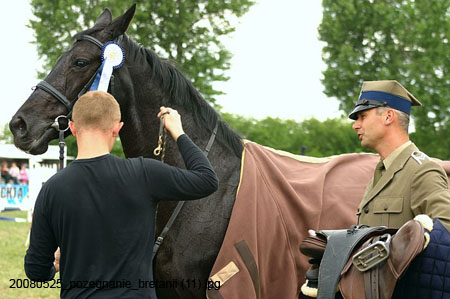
(391, 158)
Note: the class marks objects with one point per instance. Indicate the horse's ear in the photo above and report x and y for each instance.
(120, 24)
(104, 19)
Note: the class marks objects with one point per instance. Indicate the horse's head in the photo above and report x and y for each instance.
(32, 124)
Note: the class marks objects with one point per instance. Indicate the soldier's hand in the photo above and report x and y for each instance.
(171, 121)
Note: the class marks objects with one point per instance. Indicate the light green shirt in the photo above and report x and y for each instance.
(392, 156)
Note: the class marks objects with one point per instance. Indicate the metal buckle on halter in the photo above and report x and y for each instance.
(373, 254)
(159, 240)
(57, 125)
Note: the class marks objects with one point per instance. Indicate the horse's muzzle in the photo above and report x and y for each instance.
(18, 126)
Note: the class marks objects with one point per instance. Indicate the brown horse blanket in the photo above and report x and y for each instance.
(280, 197)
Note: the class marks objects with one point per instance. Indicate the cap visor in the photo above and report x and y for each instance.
(354, 114)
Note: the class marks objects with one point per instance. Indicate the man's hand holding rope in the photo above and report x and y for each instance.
(171, 121)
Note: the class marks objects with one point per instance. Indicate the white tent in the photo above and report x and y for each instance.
(9, 151)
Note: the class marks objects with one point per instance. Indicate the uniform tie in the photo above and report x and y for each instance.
(378, 172)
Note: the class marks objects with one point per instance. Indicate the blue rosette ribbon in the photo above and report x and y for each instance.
(113, 58)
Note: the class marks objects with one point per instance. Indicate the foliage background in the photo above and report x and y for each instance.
(404, 40)
(184, 31)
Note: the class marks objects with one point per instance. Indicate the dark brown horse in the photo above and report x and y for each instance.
(141, 86)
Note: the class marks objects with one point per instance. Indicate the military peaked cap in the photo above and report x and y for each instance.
(385, 93)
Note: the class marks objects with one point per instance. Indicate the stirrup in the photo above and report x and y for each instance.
(373, 254)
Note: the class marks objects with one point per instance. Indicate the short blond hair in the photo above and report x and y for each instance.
(96, 110)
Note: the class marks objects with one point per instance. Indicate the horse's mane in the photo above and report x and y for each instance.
(183, 93)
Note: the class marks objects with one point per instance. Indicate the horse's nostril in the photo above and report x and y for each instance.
(18, 126)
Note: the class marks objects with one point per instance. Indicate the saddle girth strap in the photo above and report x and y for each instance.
(340, 245)
(371, 281)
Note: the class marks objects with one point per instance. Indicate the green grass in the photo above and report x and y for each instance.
(12, 251)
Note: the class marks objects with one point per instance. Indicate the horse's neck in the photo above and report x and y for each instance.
(141, 97)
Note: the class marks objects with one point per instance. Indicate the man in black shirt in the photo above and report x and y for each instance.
(100, 210)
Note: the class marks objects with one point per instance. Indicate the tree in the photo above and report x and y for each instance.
(184, 31)
(72, 149)
(6, 137)
(404, 40)
(330, 137)
(319, 139)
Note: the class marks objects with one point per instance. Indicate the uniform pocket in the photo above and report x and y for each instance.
(389, 209)
(388, 205)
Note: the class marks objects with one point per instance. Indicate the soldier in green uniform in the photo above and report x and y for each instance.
(406, 182)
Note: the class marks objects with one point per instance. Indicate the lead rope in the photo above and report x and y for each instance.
(62, 144)
(180, 204)
(161, 148)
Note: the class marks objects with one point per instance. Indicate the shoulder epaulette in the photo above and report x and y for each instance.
(419, 156)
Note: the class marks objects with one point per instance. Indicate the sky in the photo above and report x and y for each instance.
(275, 70)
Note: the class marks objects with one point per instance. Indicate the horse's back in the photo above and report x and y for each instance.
(280, 197)
(334, 185)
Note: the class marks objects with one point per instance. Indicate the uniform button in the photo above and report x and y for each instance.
(366, 210)
(385, 207)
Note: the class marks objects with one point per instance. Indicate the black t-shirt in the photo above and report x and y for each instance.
(101, 213)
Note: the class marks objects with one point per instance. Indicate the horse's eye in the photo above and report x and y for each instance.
(80, 63)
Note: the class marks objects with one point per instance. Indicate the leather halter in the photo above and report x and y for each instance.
(44, 85)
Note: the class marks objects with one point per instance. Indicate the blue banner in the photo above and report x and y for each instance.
(13, 196)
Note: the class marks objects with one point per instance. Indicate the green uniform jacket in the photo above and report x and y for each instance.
(412, 185)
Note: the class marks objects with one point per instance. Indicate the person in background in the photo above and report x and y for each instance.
(5, 172)
(14, 172)
(23, 174)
